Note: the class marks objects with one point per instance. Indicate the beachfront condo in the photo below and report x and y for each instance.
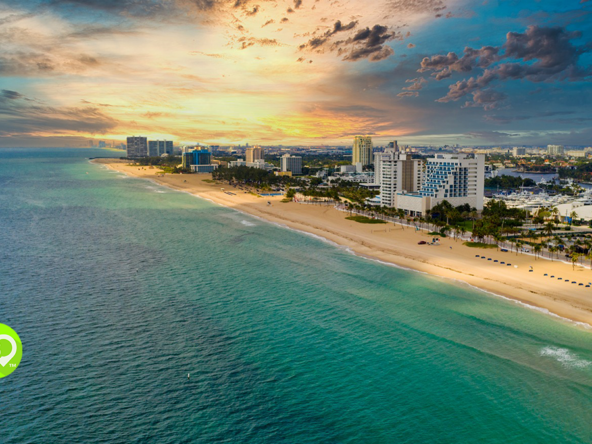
(254, 153)
(396, 172)
(362, 150)
(457, 178)
(160, 147)
(137, 146)
(292, 164)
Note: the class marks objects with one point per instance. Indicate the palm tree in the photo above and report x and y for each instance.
(589, 257)
(574, 259)
(552, 250)
(401, 216)
(573, 215)
(555, 212)
(498, 238)
(473, 217)
(512, 243)
(548, 228)
(537, 249)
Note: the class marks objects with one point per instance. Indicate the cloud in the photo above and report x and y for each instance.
(370, 43)
(254, 11)
(416, 6)
(491, 136)
(247, 42)
(21, 118)
(135, 8)
(10, 95)
(417, 84)
(540, 54)
(367, 43)
(317, 42)
(487, 98)
(444, 65)
(408, 94)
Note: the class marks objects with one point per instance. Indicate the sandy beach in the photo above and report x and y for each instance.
(399, 245)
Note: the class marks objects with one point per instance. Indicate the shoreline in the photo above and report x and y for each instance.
(397, 246)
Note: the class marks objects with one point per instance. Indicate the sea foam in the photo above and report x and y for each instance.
(565, 357)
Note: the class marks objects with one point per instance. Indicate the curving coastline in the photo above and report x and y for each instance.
(395, 245)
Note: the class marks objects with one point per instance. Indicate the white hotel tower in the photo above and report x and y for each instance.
(396, 172)
(457, 178)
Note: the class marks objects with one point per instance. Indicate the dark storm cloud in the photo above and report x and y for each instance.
(370, 43)
(366, 43)
(444, 65)
(540, 54)
(317, 42)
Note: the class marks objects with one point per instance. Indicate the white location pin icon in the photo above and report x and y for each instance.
(6, 359)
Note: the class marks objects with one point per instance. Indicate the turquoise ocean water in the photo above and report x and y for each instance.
(119, 287)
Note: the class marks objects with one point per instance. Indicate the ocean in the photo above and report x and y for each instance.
(119, 288)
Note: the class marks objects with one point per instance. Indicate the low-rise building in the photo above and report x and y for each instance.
(204, 168)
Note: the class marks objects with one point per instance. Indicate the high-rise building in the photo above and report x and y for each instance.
(202, 157)
(160, 147)
(555, 150)
(456, 178)
(254, 153)
(518, 151)
(196, 157)
(291, 163)
(137, 146)
(102, 144)
(396, 172)
(362, 150)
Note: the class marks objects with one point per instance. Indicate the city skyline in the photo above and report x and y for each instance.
(426, 72)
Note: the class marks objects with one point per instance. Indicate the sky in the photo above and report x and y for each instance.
(296, 72)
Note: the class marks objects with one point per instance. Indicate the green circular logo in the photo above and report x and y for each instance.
(11, 350)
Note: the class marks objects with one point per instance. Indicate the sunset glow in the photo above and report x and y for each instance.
(295, 72)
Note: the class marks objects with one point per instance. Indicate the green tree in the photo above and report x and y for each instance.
(574, 259)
